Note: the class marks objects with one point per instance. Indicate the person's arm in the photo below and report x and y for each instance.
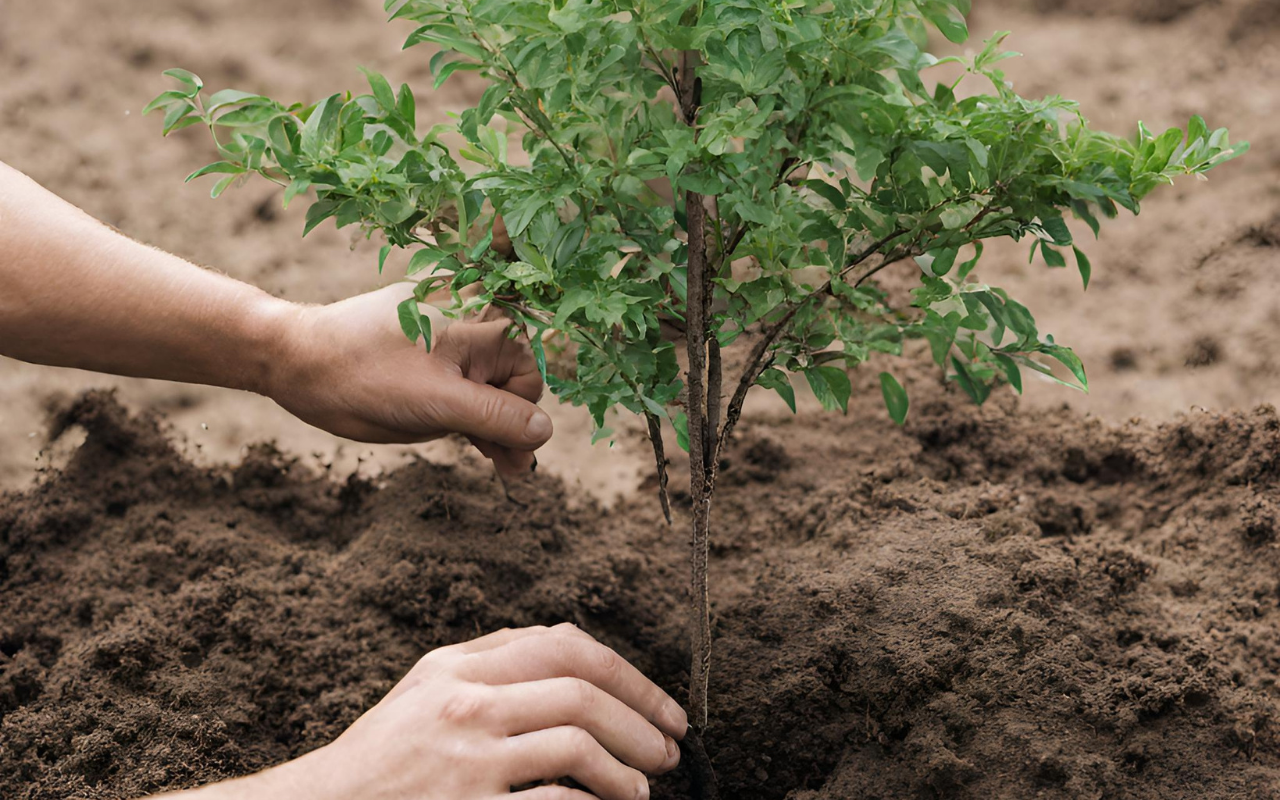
(75, 293)
(471, 721)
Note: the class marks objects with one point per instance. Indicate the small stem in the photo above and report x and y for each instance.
(715, 376)
(758, 360)
(660, 456)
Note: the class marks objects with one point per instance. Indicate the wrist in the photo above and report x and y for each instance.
(303, 778)
(299, 779)
(267, 331)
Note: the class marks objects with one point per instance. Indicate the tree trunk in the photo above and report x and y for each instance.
(700, 446)
(701, 409)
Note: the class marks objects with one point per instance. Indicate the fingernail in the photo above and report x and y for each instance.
(673, 753)
(673, 717)
(539, 428)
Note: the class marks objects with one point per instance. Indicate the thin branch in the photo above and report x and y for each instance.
(715, 376)
(756, 361)
(660, 455)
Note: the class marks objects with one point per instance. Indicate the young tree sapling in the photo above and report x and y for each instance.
(730, 173)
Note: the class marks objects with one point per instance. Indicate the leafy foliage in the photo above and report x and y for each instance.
(820, 151)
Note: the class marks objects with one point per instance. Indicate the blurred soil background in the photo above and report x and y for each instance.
(1183, 310)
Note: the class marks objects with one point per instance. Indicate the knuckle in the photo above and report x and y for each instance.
(564, 647)
(434, 661)
(641, 784)
(655, 751)
(464, 706)
(610, 662)
(584, 696)
(491, 409)
(580, 746)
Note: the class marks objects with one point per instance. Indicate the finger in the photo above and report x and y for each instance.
(528, 385)
(504, 635)
(489, 413)
(487, 352)
(510, 464)
(567, 655)
(498, 638)
(551, 793)
(573, 753)
(527, 707)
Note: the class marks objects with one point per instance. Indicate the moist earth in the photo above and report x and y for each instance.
(988, 603)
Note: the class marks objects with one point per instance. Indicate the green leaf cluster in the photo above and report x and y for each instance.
(822, 150)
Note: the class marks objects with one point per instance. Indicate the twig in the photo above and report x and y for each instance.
(660, 456)
(756, 359)
(715, 377)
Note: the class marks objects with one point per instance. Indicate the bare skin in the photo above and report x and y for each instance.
(468, 722)
(114, 305)
(473, 720)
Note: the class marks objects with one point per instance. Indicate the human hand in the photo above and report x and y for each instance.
(347, 368)
(517, 706)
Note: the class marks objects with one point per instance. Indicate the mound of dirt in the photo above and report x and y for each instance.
(982, 605)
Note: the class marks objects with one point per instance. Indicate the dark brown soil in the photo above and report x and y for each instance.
(981, 606)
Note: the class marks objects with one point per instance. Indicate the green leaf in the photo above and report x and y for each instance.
(828, 192)
(424, 258)
(945, 18)
(653, 407)
(413, 322)
(539, 352)
(229, 97)
(218, 167)
(967, 267)
(452, 67)
(1057, 228)
(942, 261)
(295, 187)
(221, 186)
(522, 214)
(977, 390)
(895, 398)
(778, 381)
(406, 106)
(831, 386)
(164, 99)
(381, 90)
(1011, 371)
(382, 256)
(319, 212)
(492, 98)
(1068, 359)
(177, 113)
(1051, 257)
(189, 80)
(681, 424)
(1082, 263)
(321, 129)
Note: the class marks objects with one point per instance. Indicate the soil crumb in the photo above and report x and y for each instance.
(983, 605)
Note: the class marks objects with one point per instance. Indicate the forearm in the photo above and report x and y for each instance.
(293, 780)
(75, 293)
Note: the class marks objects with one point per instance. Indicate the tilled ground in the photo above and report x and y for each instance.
(983, 605)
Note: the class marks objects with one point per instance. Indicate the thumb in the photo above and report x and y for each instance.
(495, 415)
